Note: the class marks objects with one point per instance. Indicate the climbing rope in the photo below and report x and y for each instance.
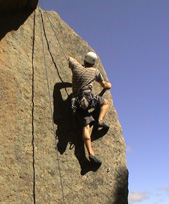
(54, 30)
(49, 95)
(49, 46)
(33, 105)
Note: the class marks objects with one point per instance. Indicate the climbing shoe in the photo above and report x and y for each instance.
(102, 125)
(94, 160)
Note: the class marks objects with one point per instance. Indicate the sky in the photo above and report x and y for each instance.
(131, 38)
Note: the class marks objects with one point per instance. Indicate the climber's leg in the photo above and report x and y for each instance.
(87, 139)
(103, 110)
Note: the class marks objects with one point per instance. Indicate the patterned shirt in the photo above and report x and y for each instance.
(83, 77)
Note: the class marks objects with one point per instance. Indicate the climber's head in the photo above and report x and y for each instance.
(90, 59)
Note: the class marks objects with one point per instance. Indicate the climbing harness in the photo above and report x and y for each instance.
(84, 101)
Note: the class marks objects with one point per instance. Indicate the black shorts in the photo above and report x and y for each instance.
(85, 117)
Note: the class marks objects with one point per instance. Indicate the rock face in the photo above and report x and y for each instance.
(14, 5)
(43, 161)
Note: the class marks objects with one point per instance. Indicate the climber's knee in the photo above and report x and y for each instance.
(106, 102)
(86, 133)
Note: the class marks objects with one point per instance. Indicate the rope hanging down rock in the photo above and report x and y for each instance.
(54, 30)
(33, 108)
(49, 95)
(51, 25)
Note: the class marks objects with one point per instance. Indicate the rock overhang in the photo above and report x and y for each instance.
(15, 5)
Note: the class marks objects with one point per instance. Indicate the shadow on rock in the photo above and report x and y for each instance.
(69, 130)
(121, 186)
(12, 21)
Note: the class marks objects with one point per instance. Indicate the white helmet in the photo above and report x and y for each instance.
(91, 58)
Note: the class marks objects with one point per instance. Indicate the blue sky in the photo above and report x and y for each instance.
(132, 39)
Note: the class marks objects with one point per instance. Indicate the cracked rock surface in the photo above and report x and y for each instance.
(29, 168)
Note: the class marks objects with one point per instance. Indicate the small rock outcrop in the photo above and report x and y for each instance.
(43, 161)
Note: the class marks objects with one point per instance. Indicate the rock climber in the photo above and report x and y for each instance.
(84, 99)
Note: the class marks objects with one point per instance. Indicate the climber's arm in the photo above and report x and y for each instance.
(73, 62)
(100, 80)
(106, 85)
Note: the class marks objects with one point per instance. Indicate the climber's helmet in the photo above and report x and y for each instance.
(90, 58)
